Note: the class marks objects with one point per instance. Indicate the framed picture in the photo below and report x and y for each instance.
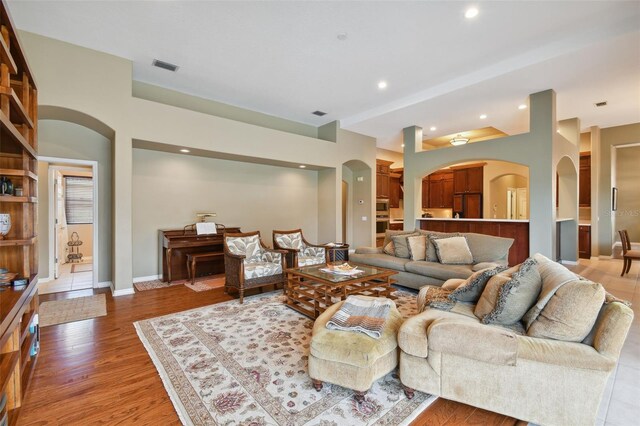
(614, 199)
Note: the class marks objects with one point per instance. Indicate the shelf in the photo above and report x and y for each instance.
(25, 349)
(17, 106)
(6, 124)
(18, 172)
(8, 362)
(6, 58)
(24, 330)
(14, 199)
(16, 242)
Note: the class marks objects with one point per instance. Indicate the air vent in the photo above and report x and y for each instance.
(319, 113)
(601, 104)
(165, 65)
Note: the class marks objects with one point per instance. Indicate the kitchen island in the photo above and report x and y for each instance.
(516, 229)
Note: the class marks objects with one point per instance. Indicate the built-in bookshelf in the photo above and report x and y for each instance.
(19, 330)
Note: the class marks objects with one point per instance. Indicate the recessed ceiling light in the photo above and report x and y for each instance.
(382, 84)
(184, 150)
(402, 145)
(433, 128)
(522, 106)
(302, 166)
(483, 116)
(472, 12)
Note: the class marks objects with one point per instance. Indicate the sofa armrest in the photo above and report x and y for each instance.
(369, 250)
(474, 341)
(452, 283)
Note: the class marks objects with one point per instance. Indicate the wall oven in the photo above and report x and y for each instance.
(382, 224)
(382, 207)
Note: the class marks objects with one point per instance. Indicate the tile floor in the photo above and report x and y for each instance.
(620, 404)
(68, 280)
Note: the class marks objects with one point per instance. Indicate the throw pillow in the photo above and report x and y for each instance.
(390, 233)
(390, 249)
(432, 256)
(417, 247)
(401, 245)
(570, 313)
(472, 288)
(452, 251)
(506, 298)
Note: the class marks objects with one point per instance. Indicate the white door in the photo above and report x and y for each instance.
(522, 203)
(60, 237)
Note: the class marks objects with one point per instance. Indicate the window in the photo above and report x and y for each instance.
(78, 199)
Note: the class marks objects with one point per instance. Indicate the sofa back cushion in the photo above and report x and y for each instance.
(431, 254)
(401, 245)
(390, 233)
(506, 298)
(472, 288)
(570, 313)
(417, 247)
(452, 250)
(487, 248)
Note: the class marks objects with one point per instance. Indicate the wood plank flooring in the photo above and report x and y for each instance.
(97, 371)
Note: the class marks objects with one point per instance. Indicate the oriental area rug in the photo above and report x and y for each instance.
(233, 364)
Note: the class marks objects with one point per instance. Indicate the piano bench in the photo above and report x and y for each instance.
(194, 258)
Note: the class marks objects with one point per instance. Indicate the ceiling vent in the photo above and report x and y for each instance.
(319, 113)
(601, 104)
(165, 65)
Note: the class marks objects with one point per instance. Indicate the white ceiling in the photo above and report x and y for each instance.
(285, 59)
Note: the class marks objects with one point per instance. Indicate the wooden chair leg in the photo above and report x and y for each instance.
(629, 265)
(193, 272)
(624, 266)
(409, 393)
(241, 290)
(317, 384)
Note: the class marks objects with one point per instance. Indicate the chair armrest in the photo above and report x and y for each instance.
(564, 354)
(234, 256)
(369, 250)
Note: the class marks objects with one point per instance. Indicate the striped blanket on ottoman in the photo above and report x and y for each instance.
(362, 315)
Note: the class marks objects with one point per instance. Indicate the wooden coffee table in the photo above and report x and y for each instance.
(311, 291)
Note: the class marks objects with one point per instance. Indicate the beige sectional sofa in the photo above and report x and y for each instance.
(547, 381)
(487, 250)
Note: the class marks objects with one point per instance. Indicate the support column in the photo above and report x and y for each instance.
(412, 138)
(122, 274)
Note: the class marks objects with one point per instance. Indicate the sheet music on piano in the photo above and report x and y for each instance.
(206, 228)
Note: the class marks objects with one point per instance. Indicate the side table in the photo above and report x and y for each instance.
(337, 253)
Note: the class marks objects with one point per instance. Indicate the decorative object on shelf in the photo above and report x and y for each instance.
(7, 277)
(6, 186)
(5, 224)
(18, 192)
(20, 282)
(74, 248)
(458, 140)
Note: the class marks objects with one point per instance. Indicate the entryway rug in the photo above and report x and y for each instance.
(69, 310)
(233, 364)
(81, 267)
(206, 284)
(154, 284)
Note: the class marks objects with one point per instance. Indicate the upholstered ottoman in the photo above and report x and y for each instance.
(349, 359)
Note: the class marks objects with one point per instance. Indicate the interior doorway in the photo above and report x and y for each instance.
(71, 217)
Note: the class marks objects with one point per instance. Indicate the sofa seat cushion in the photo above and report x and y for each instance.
(564, 354)
(380, 260)
(473, 340)
(438, 270)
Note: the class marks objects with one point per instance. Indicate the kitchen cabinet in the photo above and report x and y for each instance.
(383, 179)
(585, 180)
(584, 241)
(395, 226)
(468, 179)
(468, 206)
(395, 194)
(425, 193)
(441, 190)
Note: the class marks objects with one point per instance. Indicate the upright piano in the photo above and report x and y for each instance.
(177, 243)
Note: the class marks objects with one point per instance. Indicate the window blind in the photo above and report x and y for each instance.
(78, 199)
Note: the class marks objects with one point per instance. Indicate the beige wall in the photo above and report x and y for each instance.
(610, 138)
(627, 181)
(493, 194)
(168, 190)
(388, 155)
(61, 139)
(73, 79)
(85, 233)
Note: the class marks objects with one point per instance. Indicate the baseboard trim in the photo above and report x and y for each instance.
(122, 292)
(147, 278)
(44, 280)
(569, 262)
(594, 258)
(103, 284)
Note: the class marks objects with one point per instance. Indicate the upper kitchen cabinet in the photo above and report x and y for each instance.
(441, 190)
(468, 179)
(585, 180)
(383, 178)
(395, 188)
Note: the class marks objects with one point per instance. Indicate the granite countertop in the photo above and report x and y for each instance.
(396, 220)
(474, 220)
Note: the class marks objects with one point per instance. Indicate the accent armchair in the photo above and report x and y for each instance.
(300, 252)
(248, 263)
